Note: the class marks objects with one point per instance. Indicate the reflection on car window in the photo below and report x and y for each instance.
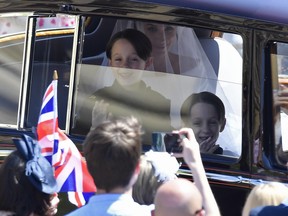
(53, 51)
(11, 52)
(185, 61)
(279, 57)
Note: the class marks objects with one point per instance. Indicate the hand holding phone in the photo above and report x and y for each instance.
(172, 143)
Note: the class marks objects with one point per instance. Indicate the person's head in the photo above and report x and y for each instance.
(129, 49)
(161, 36)
(204, 112)
(272, 193)
(26, 193)
(112, 151)
(155, 169)
(145, 188)
(178, 197)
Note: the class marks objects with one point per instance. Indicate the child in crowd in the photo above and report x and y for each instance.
(112, 151)
(155, 169)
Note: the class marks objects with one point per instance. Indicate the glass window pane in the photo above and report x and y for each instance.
(11, 51)
(279, 56)
(53, 51)
(184, 63)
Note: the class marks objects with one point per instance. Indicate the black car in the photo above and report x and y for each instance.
(236, 50)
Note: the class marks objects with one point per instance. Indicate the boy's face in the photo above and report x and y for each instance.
(125, 59)
(205, 122)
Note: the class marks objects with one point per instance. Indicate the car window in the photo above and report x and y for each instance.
(11, 62)
(52, 51)
(53, 46)
(279, 65)
(186, 61)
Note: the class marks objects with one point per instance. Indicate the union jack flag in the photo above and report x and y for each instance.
(70, 169)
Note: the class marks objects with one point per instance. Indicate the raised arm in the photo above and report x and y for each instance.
(192, 157)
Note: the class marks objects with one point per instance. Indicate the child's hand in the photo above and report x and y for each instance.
(99, 113)
(281, 99)
(208, 146)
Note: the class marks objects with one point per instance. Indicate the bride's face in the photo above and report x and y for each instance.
(161, 36)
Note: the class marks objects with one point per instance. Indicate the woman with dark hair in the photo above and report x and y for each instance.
(27, 183)
(204, 112)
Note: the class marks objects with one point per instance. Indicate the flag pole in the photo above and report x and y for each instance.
(55, 75)
(56, 157)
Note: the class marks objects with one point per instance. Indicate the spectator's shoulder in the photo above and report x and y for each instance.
(280, 210)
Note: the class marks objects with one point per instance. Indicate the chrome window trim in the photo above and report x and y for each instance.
(78, 34)
(227, 178)
(28, 42)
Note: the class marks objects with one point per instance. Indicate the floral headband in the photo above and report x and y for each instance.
(165, 165)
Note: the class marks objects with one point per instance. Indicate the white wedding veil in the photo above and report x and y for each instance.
(192, 59)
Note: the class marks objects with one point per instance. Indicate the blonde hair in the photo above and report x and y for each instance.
(147, 183)
(155, 169)
(272, 193)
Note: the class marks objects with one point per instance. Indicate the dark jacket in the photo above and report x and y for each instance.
(150, 107)
(280, 210)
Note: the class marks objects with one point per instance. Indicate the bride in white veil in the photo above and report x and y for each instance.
(176, 49)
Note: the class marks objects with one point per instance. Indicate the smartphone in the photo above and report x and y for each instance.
(167, 141)
(172, 143)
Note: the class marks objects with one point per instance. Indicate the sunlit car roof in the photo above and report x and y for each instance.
(274, 11)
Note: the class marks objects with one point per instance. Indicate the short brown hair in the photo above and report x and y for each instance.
(139, 41)
(202, 97)
(112, 151)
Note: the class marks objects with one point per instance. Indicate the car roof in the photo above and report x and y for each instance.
(265, 10)
(273, 11)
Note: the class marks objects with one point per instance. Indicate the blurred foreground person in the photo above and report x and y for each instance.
(279, 210)
(112, 151)
(178, 197)
(27, 183)
(155, 169)
(272, 193)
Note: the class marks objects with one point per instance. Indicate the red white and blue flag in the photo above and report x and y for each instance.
(70, 168)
